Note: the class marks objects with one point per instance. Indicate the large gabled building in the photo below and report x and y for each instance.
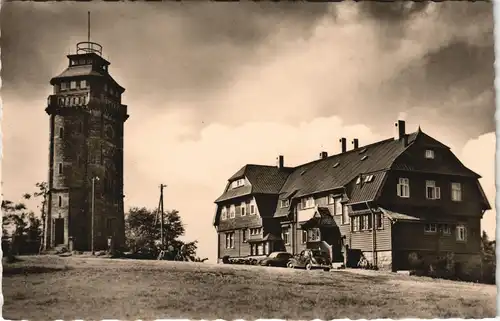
(385, 201)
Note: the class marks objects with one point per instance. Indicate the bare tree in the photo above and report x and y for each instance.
(42, 192)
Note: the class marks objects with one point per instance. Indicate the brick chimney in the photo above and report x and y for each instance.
(323, 155)
(343, 145)
(400, 132)
(355, 143)
(280, 161)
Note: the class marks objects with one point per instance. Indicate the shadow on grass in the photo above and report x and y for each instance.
(16, 270)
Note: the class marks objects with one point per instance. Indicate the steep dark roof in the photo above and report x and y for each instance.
(326, 174)
(450, 165)
(322, 217)
(341, 170)
(263, 179)
(366, 192)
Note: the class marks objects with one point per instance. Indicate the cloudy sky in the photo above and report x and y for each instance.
(213, 86)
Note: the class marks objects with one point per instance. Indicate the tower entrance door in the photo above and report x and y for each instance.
(59, 231)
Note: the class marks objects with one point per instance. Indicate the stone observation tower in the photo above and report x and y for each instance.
(85, 199)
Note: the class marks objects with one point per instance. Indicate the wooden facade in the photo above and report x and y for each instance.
(383, 201)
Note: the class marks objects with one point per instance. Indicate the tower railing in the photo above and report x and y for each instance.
(88, 47)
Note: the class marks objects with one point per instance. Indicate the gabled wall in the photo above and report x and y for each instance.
(469, 206)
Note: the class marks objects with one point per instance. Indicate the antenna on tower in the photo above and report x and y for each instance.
(88, 46)
(88, 27)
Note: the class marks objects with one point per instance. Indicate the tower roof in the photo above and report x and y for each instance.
(86, 70)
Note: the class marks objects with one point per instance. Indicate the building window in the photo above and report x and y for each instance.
(304, 236)
(369, 178)
(461, 232)
(253, 210)
(379, 223)
(314, 235)
(429, 154)
(307, 202)
(60, 168)
(446, 229)
(355, 224)
(243, 209)
(404, 187)
(223, 214)
(232, 211)
(72, 84)
(244, 235)
(338, 206)
(230, 240)
(456, 192)
(255, 231)
(285, 235)
(60, 201)
(61, 132)
(238, 183)
(285, 203)
(366, 222)
(430, 228)
(432, 192)
(345, 215)
(83, 84)
(358, 180)
(331, 199)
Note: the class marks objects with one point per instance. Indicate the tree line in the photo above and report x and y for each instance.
(23, 230)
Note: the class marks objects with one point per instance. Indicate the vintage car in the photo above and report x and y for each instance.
(310, 259)
(276, 259)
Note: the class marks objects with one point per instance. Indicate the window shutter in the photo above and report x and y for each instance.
(438, 193)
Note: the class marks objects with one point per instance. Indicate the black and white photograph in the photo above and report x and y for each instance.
(248, 160)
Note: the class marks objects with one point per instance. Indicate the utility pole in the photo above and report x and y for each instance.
(162, 213)
(94, 179)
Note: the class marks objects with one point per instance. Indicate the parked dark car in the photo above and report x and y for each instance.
(276, 259)
(311, 259)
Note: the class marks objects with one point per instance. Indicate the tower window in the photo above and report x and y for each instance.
(60, 168)
(80, 127)
(64, 86)
(109, 132)
(60, 201)
(72, 85)
(83, 84)
(105, 87)
(61, 132)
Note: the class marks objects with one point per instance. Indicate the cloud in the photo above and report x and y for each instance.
(479, 155)
(196, 170)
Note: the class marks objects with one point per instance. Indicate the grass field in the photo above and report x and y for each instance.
(49, 287)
